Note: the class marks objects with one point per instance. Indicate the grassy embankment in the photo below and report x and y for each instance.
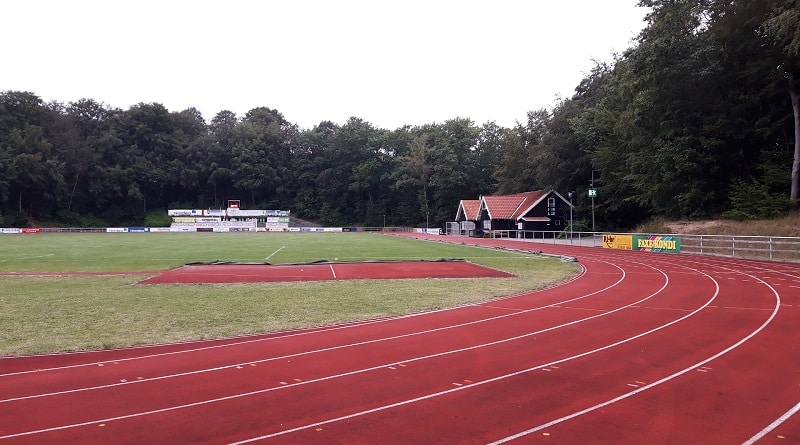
(775, 238)
(787, 225)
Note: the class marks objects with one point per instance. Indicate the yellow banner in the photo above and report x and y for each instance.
(622, 242)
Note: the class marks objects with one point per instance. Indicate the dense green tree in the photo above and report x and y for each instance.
(414, 176)
(213, 157)
(149, 154)
(79, 139)
(262, 147)
(783, 29)
(308, 162)
(517, 170)
(35, 174)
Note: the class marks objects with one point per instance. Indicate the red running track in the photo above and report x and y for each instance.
(640, 348)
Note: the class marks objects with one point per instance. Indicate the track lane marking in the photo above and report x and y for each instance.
(760, 435)
(700, 366)
(484, 382)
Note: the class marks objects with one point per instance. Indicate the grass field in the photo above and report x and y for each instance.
(45, 313)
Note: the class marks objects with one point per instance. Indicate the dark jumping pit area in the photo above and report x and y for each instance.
(212, 273)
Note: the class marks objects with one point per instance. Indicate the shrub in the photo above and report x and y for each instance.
(92, 221)
(753, 200)
(157, 218)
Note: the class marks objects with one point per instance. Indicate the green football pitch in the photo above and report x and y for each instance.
(46, 313)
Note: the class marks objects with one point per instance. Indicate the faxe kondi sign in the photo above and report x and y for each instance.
(646, 243)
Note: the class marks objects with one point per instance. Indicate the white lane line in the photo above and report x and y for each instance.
(659, 382)
(773, 425)
(484, 382)
(273, 253)
(333, 271)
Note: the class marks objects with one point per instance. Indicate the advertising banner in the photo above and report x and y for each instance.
(182, 229)
(622, 242)
(657, 243)
(184, 212)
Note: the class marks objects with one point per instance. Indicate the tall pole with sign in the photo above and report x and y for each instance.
(570, 215)
(592, 194)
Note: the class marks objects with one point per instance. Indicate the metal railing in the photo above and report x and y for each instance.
(772, 247)
(762, 247)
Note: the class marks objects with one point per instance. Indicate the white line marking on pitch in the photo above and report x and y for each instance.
(333, 271)
(273, 253)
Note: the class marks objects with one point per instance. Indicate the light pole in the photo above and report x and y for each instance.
(592, 194)
(570, 215)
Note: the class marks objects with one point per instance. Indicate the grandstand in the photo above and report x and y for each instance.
(231, 219)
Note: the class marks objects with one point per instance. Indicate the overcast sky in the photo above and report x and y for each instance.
(389, 62)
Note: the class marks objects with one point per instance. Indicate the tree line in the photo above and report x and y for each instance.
(699, 117)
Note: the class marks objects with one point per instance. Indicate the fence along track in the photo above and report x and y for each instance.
(738, 246)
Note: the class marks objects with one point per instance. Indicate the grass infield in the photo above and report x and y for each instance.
(77, 312)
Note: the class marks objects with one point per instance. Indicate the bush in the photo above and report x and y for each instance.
(69, 218)
(753, 200)
(14, 218)
(157, 218)
(737, 215)
(92, 221)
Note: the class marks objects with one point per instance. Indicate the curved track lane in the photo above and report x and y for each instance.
(640, 347)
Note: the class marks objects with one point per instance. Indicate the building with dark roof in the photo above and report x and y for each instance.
(535, 211)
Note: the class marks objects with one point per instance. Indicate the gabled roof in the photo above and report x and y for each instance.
(511, 206)
(470, 208)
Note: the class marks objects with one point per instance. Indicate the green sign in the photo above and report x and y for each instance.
(593, 193)
(657, 243)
